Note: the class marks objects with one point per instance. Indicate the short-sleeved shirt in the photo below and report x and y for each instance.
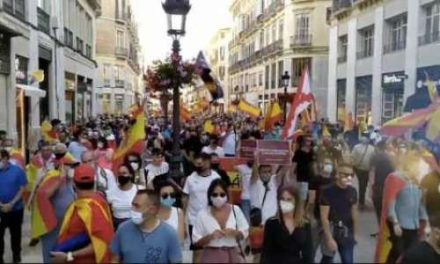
(132, 245)
(196, 187)
(317, 183)
(303, 162)
(340, 200)
(11, 180)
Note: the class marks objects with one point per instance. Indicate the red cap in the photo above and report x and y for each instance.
(84, 174)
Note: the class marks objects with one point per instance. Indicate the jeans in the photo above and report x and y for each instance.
(363, 181)
(246, 208)
(14, 221)
(401, 244)
(345, 249)
(48, 243)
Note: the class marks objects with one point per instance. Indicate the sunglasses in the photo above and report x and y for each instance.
(218, 194)
(170, 195)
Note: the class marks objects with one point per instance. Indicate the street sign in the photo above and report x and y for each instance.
(271, 152)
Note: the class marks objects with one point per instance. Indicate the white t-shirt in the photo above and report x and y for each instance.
(229, 144)
(154, 171)
(121, 201)
(245, 175)
(106, 179)
(270, 203)
(196, 187)
(173, 220)
(206, 224)
(218, 150)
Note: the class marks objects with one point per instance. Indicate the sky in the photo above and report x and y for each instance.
(203, 20)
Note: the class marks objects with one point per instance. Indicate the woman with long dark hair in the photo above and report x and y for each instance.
(287, 237)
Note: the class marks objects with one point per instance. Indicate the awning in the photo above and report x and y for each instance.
(32, 91)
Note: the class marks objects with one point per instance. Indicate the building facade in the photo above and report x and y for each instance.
(380, 52)
(270, 37)
(56, 37)
(218, 55)
(118, 49)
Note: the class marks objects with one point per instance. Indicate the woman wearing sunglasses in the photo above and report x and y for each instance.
(168, 212)
(287, 239)
(220, 227)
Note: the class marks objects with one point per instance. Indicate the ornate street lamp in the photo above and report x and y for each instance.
(176, 11)
(285, 78)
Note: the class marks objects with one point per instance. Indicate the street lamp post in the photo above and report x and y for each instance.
(176, 11)
(285, 78)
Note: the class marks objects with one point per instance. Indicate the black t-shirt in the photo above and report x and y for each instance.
(303, 162)
(340, 201)
(192, 144)
(383, 166)
(422, 252)
(431, 187)
(317, 183)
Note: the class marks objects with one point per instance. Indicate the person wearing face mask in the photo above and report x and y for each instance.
(403, 209)
(104, 154)
(168, 212)
(195, 189)
(135, 160)
(338, 214)
(362, 154)
(12, 185)
(105, 179)
(220, 227)
(86, 221)
(286, 238)
(120, 198)
(145, 238)
(158, 166)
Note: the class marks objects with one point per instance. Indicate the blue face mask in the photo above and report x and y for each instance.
(167, 202)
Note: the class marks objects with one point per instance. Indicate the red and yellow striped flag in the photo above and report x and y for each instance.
(17, 156)
(273, 116)
(249, 109)
(49, 135)
(96, 218)
(33, 169)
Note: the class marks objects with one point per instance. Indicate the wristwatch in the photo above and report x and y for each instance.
(70, 257)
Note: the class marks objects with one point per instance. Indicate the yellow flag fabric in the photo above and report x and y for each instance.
(38, 76)
(326, 132)
(273, 116)
(433, 128)
(432, 89)
(249, 108)
(208, 127)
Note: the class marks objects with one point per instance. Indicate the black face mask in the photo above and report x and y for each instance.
(59, 156)
(123, 180)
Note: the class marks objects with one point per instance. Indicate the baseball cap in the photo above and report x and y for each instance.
(84, 174)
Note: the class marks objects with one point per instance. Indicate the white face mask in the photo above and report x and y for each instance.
(328, 168)
(134, 165)
(218, 201)
(70, 173)
(348, 181)
(136, 217)
(286, 207)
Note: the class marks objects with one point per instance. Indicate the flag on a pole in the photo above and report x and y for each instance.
(211, 83)
(273, 116)
(302, 100)
(249, 109)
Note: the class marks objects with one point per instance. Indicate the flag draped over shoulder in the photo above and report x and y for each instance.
(249, 109)
(273, 116)
(135, 137)
(33, 169)
(47, 132)
(43, 217)
(393, 185)
(98, 223)
(211, 83)
(301, 102)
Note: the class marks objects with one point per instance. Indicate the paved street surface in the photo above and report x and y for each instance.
(364, 250)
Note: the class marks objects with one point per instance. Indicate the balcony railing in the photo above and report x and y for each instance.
(119, 83)
(341, 4)
(121, 52)
(15, 8)
(394, 46)
(79, 45)
(301, 40)
(428, 38)
(43, 20)
(365, 53)
(342, 58)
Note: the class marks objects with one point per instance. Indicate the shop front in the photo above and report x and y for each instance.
(341, 93)
(363, 99)
(69, 97)
(393, 87)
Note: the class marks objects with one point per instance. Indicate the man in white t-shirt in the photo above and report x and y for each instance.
(213, 147)
(157, 167)
(196, 191)
(230, 142)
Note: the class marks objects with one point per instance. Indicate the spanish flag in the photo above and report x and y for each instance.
(273, 116)
(33, 169)
(43, 217)
(202, 105)
(97, 221)
(433, 128)
(393, 185)
(49, 135)
(17, 156)
(184, 113)
(249, 109)
(135, 137)
(211, 83)
(209, 127)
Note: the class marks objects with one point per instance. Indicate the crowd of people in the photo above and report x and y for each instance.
(85, 207)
